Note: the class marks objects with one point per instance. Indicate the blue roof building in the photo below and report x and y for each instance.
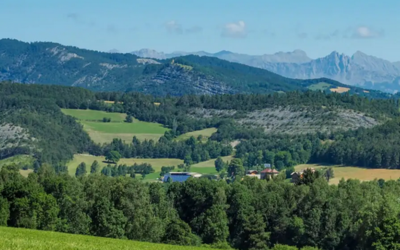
(179, 176)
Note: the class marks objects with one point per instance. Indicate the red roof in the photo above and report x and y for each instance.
(269, 170)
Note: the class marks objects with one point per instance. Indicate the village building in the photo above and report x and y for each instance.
(268, 173)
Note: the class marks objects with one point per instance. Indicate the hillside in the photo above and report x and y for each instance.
(51, 63)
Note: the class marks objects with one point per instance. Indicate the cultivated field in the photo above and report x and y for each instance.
(105, 132)
(206, 133)
(24, 239)
(362, 174)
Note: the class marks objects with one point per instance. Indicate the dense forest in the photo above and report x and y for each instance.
(247, 214)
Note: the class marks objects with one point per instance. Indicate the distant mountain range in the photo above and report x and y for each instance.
(357, 70)
(52, 63)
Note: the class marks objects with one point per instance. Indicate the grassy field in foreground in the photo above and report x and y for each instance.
(24, 239)
(206, 133)
(105, 132)
(89, 159)
(363, 174)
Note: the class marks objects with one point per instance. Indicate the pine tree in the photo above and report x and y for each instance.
(95, 167)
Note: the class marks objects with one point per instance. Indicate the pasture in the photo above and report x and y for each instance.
(105, 132)
(24, 239)
(363, 174)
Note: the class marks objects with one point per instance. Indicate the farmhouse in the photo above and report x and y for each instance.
(296, 176)
(179, 176)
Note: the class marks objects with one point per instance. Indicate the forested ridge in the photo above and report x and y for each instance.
(247, 214)
(36, 109)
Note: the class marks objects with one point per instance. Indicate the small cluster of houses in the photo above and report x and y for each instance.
(266, 174)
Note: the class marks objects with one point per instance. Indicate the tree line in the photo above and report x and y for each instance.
(245, 214)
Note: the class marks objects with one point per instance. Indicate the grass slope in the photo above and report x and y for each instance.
(101, 132)
(206, 133)
(16, 238)
(363, 174)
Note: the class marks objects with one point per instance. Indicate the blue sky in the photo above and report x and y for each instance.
(251, 26)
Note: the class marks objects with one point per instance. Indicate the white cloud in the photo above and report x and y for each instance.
(173, 27)
(235, 30)
(366, 32)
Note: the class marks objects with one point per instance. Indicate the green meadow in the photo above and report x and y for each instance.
(105, 132)
(25, 239)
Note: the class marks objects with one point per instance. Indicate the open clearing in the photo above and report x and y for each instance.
(319, 86)
(206, 133)
(89, 159)
(24, 239)
(105, 132)
(363, 174)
